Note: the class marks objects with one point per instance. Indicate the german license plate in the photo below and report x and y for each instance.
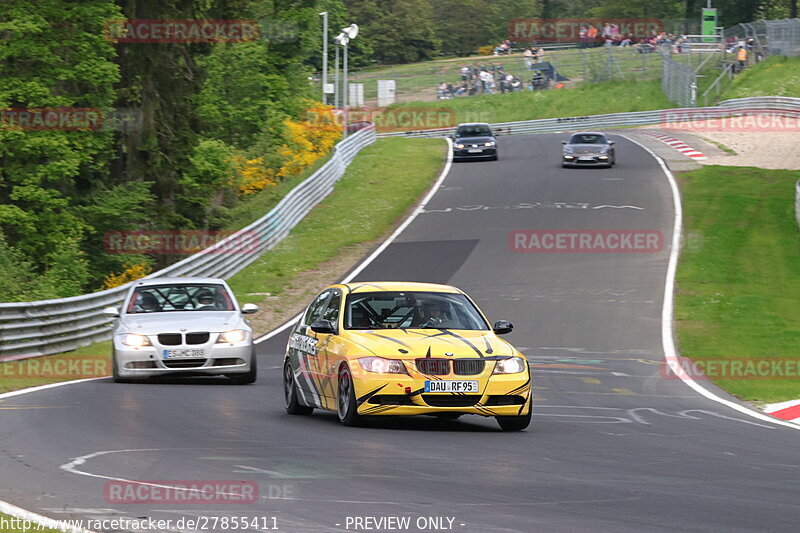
(586, 158)
(187, 353)
(450, 385)
(475, 150)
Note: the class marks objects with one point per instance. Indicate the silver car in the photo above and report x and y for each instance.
(588, 149)
(182, 326)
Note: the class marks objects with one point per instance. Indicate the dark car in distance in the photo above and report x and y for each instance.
(588, 149)
(474, 141)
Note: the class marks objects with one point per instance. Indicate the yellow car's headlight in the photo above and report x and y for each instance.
(232, 336)
(132, 339)
(512, 365)
(382, 366)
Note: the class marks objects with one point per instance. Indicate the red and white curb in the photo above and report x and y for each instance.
(679, 145)
(785, 410)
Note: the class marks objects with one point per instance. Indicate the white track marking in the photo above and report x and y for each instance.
(667, 339)
(43, 387)
(22, 514)
(366, 262)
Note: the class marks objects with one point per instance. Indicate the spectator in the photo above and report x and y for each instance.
(626, 41)
(528, 55)
(465, 73)
(591, 35)
(583, 37)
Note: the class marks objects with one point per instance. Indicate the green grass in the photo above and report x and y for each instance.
(737, 292)
(775, 76)
(586, 99)
(379, 186)
(418, 81)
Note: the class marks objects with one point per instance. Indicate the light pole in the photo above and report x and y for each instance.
(324, 15)
(348, 33)
(340, 40)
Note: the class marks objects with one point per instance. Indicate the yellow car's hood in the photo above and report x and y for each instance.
(412, 343)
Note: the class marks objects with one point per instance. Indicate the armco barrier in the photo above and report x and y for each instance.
(767, 104)
(30, 329)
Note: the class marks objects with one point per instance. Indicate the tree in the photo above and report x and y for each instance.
(54, 58)
(397, 32)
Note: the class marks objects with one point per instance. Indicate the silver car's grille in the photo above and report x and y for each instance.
(175, 339)
(197, 338)
(184, 363)
(468, 367)
(170, 339)
(433, 367)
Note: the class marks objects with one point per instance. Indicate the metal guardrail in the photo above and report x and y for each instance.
(787, 106)
(30, 329)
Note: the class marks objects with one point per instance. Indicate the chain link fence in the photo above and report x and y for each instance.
(678, 80)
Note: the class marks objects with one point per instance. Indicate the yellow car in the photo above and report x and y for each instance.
(389, 348)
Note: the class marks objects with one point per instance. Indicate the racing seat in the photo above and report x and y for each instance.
(359, 319)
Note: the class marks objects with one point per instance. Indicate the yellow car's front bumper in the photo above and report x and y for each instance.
(400, 394)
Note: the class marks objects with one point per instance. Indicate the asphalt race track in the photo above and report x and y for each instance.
(615, 445)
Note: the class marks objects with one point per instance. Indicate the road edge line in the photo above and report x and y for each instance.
(667, 330)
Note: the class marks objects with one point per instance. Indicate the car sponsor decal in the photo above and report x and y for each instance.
(303, 343)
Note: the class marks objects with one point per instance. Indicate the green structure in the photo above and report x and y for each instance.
(709, 24)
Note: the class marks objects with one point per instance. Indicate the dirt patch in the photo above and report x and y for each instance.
(275, 310)
(773, 150)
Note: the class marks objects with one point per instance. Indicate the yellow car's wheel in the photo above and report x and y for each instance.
(293, 405)
(347, 408)
(516, 423)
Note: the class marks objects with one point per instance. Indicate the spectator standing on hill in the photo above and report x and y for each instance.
(583, 37)
(592, 35)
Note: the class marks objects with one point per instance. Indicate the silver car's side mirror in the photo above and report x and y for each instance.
(111, 312)
(249, 309)
(612, 142)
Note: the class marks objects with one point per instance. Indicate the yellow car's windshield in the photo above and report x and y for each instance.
(413, 310)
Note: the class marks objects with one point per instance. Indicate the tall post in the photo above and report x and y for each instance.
(324, 56)
(345, 95)
(336, 81)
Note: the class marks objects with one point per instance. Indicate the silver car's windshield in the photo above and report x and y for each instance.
(585, 138)
(180, 297)
(413, 310)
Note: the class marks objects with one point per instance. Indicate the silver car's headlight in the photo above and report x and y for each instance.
(132, 339)
(382, 365)
(232, 336)
(513, 365)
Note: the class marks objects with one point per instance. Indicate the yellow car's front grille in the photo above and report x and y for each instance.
(442, 367)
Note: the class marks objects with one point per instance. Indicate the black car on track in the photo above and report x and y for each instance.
(474, 141)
